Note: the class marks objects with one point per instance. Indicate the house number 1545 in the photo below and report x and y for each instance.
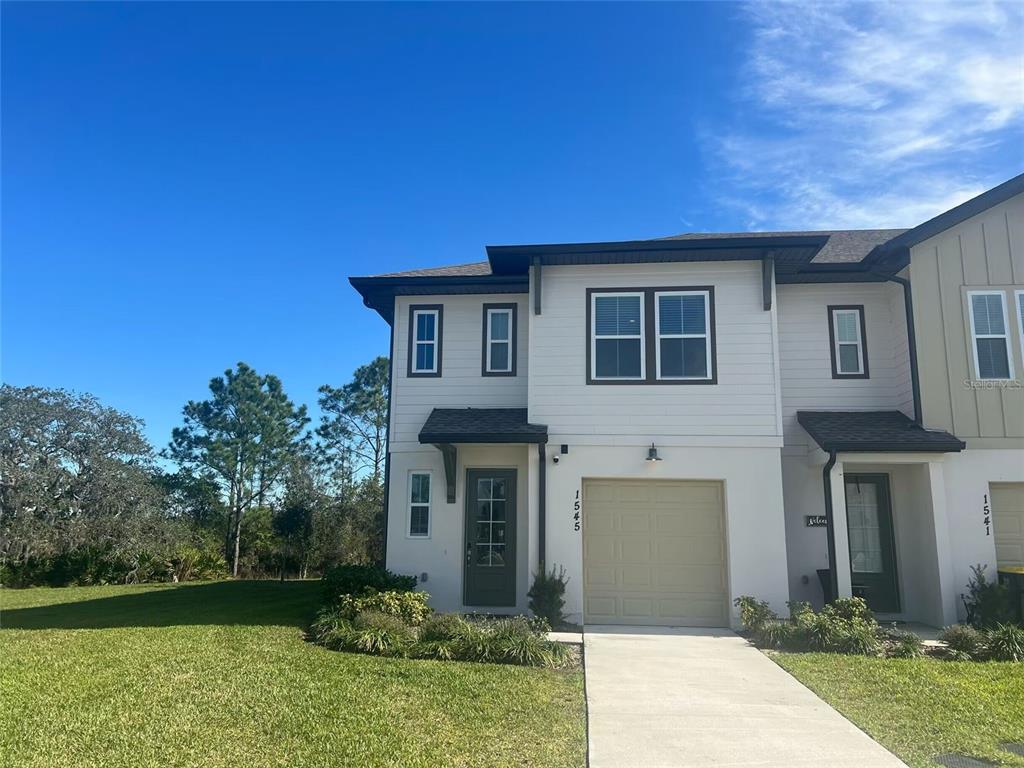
(576, 512)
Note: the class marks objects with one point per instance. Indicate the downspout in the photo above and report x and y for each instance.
(542, 499)
(908, 304)
(826, 482)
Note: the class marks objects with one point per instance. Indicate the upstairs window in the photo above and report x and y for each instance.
(990, 341)
(419, 505)
(425, 340)
(657, 335)
(617, 336)
(499, 352)
(849, 346)
(681, 325)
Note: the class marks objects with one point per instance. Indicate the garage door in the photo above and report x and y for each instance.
(654, 553)
(1008, 523)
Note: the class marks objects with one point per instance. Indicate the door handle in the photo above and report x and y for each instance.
(469, 554)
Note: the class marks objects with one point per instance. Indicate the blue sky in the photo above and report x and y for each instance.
(189, 185)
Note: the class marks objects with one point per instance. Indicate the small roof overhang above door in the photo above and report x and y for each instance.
(875, 432)
(481, 425)
(447, 427)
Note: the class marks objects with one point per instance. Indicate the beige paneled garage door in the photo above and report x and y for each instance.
(1008, 522)
(654, 553)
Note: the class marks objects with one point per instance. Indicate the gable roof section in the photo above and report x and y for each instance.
(838, 255)
(472, 269)
(843, 246)
(882, 431)
(895, 254)
(795, 255)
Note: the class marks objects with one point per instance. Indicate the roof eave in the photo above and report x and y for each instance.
(516, 259)
(455, 438)
(379, 292)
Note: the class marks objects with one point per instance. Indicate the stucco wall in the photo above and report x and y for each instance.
(753, 509)
(441, 556)
(967, 476)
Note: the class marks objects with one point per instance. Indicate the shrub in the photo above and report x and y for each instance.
(192, 563)
(410, 607)
(777, 634)
(439, 650)
(516, 640)
(902, 645)
(963, 642)
(988, 603)
(442, 627)
(850, 609)
(798, 608)
(858, 637)
(547, 596)
(327, 620)
(357, 579)
(381, 634)
(526, 649)
(1005, 642)
(818, 631)
(754, 613)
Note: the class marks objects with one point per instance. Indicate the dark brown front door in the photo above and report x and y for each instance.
(872, 545)
(490, 557)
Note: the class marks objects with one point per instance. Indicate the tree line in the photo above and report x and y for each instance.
(246, 486)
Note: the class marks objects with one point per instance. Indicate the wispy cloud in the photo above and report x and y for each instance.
(872, 114)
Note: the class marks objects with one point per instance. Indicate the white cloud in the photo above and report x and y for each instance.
(872, 114)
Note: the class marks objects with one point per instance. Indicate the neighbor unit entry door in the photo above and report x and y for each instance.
(654, 552)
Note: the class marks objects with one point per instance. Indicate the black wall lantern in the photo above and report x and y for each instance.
(652, 454)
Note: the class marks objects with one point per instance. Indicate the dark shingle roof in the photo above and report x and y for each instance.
(874, 431)
(473, 269)
(844, 246)
(481, 425)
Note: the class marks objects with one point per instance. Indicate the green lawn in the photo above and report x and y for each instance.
(218, 674)
(918, 708)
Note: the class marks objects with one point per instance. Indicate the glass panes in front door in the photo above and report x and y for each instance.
(862, 512)
(491, 521)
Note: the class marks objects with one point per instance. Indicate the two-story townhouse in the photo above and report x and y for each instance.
(677, 422)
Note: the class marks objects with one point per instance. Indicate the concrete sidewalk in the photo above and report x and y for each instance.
(695, 697)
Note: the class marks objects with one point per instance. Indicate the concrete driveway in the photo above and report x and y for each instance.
(697, 697)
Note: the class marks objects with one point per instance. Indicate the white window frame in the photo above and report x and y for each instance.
(409, 504)
(1018, 299)
(510, 341)
(836, 344)
(594, 337)
(416, 343)
(658, 335)
(1005, 336)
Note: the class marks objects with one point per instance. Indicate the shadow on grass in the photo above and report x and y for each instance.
(253, 603)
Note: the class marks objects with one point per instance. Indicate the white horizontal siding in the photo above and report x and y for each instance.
(740, 409)
(805, 353)
(461, 384)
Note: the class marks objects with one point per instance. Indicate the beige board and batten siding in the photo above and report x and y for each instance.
(985, 252)
(741, 409)
(805, 352)
(461, 384)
